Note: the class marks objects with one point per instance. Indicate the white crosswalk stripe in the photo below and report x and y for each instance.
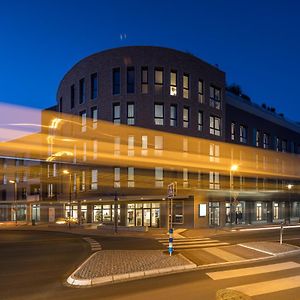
(191, 243)
(95, 246)
(261, 287)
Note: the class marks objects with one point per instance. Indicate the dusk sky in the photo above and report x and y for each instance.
(257, 42)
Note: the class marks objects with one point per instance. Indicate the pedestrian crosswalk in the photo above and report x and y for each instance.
(262, 287)
(191, 243)
(95, 246)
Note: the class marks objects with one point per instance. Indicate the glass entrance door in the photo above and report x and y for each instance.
(139, 217)
(147, 217)
(214, 213)
(155, 217)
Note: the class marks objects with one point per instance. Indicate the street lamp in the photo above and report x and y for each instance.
(233, 168)
(15, 199)
(67, 172)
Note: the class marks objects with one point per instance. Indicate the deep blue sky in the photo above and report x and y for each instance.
(257, 42)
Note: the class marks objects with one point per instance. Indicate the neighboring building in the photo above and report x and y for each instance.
(159, 92)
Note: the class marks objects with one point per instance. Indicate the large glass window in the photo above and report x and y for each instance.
(130, 114)
(94, 116)
(83, 120)
(81, 90)
(186, 117)
(215, 97)
(94, 184)
(173, 83)
(158, 80)
(173, 115)
(232, 131)
(200, 91)
(200, 120)
(243, 134)
(117, 177)
(158, 114)
(130, 80)
(159, 177)
(214, 180)
(215, 125)
(266, 141)
(116, 81)
(94, 86)
(116, 113)
(144, 150)
(130, 182)
(178, 212)
(144, 79)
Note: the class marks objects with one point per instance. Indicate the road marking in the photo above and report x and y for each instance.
(256, 249)
(219, 275)
(184, 239)
(199, 246)
(225, 255)
(191, 243)
(267, 287)
(95, 246)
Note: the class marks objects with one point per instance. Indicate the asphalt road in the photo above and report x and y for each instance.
(34, 265)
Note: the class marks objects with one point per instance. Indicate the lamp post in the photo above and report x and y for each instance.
(67, 172)
(15, 200)
(233, 168)
(290, 186)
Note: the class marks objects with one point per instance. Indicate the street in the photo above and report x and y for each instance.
(35, 265)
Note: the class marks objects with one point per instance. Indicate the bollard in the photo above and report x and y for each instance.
(171, 241)
(281, 233)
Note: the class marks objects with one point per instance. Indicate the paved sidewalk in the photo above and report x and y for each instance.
(109, 266)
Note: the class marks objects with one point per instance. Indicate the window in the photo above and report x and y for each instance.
(277, 144)
(173, 115)
(158, 80)
(117, 146)
(185, 117)
(200, 120)
(116, 114)
(214, 153)
(257, 138)
(200, 92)
(72, 96)
(159, 177)
(116, 81)
(144, 145)
(243, 134)
(232, 131)
(94, 115)
(144, 79)
(284, 145)
(117, 177)
(215, 125)
(130, 145)
(130, 113)
(95, 149)
(158, 114)
(214, 180)
(186, 86)
(215, 97)
(81, 91)
(94, 184)
(266, 141)
(83, 121)
(94, 86)
(158, 144)
(173, 83)
(130, 80)
(185, 177)
(130, 182)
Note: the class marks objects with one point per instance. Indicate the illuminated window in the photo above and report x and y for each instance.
(144, 79)
(117, 177)
(72, 96)
(158, 145)
(158, 80)
(84, 151)
(82, 181)
(186, 117)
(117, 146)
(266, 141)
(94, 184)
(284, 145)
(94, 86)
(173, 83)
(130, 113)
(214, 180)
(214, 153)
(256, 135)
(232, 131)
(83, 121)
(185, 177)
(243, 134)
(200, 92)
(130, 182)
(200, 120)
(158, 114)
(116, 81)
(215, 97)
(95, 149)
(131, 145)
(130, 80)
(94, 115)
(81, 91)
(144, 145)
(116, 113)
(173, 115)
(258, 211)
(215, 125)
(186, 87)
(159, 177)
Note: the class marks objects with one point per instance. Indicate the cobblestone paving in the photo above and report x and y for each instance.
(112, 262)
(272, 247)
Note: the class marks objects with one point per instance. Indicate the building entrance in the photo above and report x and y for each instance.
(143, 214)
(214, 213)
